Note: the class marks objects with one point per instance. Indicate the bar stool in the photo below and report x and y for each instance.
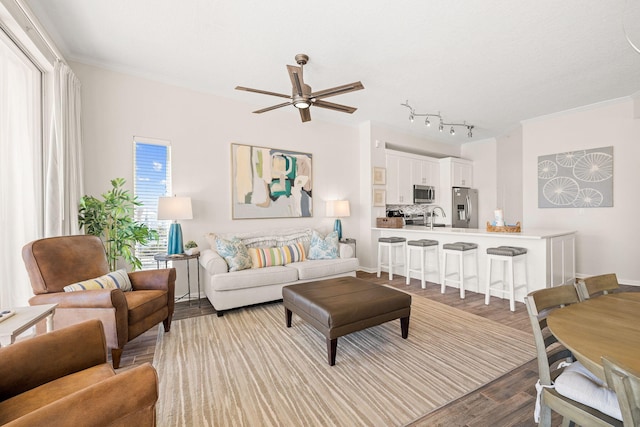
(424, 246)
(391, 243)
(459, 249)
(508, 255)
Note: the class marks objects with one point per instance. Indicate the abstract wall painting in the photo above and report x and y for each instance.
(576, 179)
(270, 183)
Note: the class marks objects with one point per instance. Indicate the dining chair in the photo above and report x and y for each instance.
(626, 384)
(568, 390)
(601, 284)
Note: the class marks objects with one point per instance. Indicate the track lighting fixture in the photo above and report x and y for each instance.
(413, 115)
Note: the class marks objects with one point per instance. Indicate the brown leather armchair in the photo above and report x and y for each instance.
(56, 262)
(62, 378)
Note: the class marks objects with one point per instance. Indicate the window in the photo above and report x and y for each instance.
(20, 166)
(152, 179)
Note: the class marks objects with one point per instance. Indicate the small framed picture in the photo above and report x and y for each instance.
(379, 197)
(379, 176)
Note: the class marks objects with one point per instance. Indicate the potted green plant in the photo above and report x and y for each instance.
(191, 248)
(112, 219)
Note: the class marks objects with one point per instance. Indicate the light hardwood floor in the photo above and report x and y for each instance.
(507, 401)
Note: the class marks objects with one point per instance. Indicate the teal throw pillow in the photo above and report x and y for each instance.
(234, 253)
(323, 248)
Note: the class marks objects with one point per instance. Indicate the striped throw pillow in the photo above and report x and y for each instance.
(269, 257)
(115, 280)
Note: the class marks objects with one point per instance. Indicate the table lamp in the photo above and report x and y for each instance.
(338, 209)
(174, 208)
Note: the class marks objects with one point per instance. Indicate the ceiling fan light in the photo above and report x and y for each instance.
(302, 104)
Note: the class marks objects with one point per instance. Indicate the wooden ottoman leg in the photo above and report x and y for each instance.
(287, 314)
(404, 326)
(332, 345)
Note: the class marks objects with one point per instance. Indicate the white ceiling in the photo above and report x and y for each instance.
(492, 63)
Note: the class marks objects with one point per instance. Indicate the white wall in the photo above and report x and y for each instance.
(483, 154)
(509, 175)
(201, 128)
(607, 239)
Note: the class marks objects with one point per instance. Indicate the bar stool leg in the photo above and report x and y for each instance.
(380, 248)
(512, 303)
(422, 271)
(461, 276)
(408, 265)
(391, 251)
(487, 294)
(443, 272)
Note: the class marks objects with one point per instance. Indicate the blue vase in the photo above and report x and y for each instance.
(337, 226)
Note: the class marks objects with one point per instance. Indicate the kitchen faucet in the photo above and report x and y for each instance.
(433, 212)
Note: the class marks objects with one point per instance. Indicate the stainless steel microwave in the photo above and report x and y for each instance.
(424, 194)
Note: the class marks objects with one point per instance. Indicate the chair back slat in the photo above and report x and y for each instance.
(592, 286)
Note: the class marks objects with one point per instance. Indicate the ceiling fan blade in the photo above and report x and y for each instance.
(337, 90)
(336, 107)
(297, 81)
(305, 115)
(264, 110)
(248, 89)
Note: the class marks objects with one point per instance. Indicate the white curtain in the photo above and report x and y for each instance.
(20, 168)
(63, 161)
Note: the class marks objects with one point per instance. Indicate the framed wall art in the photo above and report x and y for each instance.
(379, 176)
(576, 179)
(379, 197)
(270, 183)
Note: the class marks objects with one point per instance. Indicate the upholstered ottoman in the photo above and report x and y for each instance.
(339, 306)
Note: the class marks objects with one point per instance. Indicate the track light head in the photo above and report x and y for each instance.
(441, 127)
(411, 117)
(452, 131)
(469, 133)
(427, 122)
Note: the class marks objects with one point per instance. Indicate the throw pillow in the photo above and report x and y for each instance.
(265, 257)
(324, 248)
(268, 257)
(234, 253)
(115, 280)
(293, 253)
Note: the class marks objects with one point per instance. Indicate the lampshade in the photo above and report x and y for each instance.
(338, 208)
(174, 208)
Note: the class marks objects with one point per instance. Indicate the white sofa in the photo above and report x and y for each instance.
(227, 290)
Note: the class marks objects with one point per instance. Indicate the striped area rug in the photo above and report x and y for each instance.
(248, 369)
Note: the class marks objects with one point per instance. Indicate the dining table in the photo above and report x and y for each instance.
(605, 325)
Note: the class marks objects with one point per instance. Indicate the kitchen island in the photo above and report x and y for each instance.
(550, 253)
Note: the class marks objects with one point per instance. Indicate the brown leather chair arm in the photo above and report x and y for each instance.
(127, 398)
(103, 298)
(35, 361)
(161, 280)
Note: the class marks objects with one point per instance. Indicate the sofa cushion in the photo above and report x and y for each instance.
(144, 303)
(315, 269)
(254, 277)
(234, 253)
(115, 280)
(324, 247)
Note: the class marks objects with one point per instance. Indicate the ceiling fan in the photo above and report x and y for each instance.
(301, 95)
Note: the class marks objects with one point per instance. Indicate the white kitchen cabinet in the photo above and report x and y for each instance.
(461, 173)
(404, 170)
(454, 172)
(399, 187)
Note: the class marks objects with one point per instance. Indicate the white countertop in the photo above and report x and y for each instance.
(526, 233)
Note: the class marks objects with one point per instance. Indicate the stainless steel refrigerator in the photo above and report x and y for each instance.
(464, 208)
